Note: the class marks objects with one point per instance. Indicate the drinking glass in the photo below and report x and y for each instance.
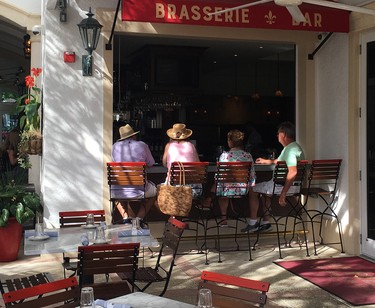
(135, 223)
(100, 234)
(87, 297)
(205, 298)
(39, 230)
(90, 220)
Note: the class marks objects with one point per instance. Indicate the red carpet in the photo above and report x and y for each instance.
(350, 278)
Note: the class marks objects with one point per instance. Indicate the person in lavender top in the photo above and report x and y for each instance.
(129, 149)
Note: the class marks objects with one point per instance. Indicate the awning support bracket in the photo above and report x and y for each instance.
(108, 46)
(311, 55)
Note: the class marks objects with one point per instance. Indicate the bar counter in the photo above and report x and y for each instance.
(159, 169)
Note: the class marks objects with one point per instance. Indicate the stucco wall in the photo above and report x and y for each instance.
(72, 167)
(331, 122)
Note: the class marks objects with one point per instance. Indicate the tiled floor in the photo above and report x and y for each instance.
(287, 290)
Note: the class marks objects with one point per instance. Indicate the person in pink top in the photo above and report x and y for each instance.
(179, 148)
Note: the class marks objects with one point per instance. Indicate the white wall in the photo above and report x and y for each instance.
(72, 170)
(31, 6)
(332, 71)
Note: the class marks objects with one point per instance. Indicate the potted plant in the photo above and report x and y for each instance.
(28, 106)
(17, 206)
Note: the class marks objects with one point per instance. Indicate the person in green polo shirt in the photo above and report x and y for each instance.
(291, 154)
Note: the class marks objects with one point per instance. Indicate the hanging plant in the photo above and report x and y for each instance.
(28, 106)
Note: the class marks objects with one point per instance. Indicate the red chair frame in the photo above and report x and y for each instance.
(247, 291)
(38, 295)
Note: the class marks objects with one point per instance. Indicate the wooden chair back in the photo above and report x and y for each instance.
(323, 176)
(231, 291)
(234, 176)
(122, 174)
(281, 171)
(97, 262)
(78, 218)
(14, 284)
(59, 293)
(195, 173)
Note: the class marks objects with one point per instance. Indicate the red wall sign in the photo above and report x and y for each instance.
(265, 16)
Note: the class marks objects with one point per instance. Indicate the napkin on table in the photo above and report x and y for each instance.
(106, 304)
(50, 233)
(140, 232)
(84, 240)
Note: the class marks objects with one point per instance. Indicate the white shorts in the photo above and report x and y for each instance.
(266, 188)
(134, 192)
(150, 190)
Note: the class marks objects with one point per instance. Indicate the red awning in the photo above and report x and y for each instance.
(264, 16)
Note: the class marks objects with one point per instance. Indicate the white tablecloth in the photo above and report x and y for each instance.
(145, 300)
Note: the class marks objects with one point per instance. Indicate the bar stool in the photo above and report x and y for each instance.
(196, 177)
(232, 181)
(122, 175)
(293, 200)
(322, 183)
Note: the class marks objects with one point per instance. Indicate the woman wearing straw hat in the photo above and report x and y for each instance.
(179, 148)
(129, 149)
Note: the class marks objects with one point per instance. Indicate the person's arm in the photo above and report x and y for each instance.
(150, 161)
(165, 154)
(266, 161)
(12, 157)
(292, 172)
(196, 156)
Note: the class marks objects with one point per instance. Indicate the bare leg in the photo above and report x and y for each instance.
(143, 210)
(223, 204)
(266, 208)
(121, 209)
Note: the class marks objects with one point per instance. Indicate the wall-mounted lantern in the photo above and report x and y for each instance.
(90, 29)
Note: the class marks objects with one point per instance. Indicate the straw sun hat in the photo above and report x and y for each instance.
(126, 132)
(179, 132)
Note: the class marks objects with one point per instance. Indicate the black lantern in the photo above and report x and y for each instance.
(89, 28)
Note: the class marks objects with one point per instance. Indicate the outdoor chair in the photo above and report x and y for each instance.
(97, 262)
(235, 177)
(231, 291)
(70, 219)
(162, 271)
(59, 293)
(196, 177)
(8, 285)
(322, 183)
(78, 218)
(121, 175)
(294, 210)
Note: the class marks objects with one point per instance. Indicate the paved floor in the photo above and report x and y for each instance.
(287, 290)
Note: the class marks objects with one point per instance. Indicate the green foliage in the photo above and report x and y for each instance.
(30, 119)
(15, 200)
